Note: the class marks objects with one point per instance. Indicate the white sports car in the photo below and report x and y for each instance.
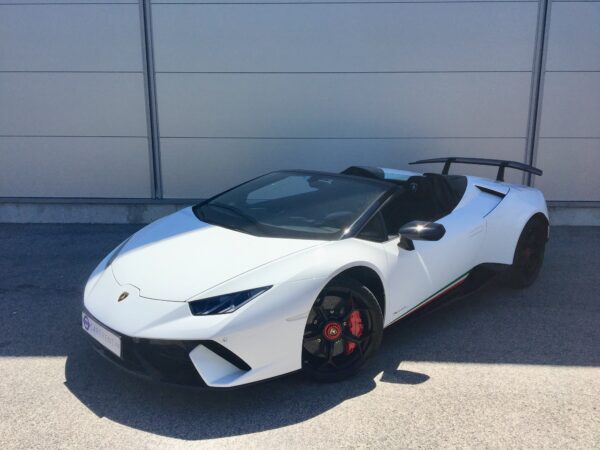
(303, 270)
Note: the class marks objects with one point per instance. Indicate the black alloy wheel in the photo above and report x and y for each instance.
(343, 330)
(529, 253)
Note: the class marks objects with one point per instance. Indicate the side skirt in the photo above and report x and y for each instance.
(464, 285)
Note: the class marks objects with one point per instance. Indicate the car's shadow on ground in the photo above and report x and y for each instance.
(495, 325)
(555, 322)
(192, 413)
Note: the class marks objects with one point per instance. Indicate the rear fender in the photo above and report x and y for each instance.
(506, 222)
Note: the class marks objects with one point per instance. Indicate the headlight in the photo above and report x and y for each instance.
(226, 303)
(117, 251)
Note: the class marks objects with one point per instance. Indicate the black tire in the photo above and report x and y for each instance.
(343, 330)
(529, 253)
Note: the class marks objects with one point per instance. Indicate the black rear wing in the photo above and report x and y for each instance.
(501, 164)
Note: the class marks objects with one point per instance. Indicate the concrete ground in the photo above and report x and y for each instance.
(500, 369)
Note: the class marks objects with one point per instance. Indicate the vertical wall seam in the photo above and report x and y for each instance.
(536, 136)
(147, 101)
(151, 104)
(535, 106)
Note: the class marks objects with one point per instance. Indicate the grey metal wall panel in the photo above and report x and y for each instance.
(72, 104)
(51, 2)
(83, 37)
(571, 105)
(344, 37)
(570, 110)
(74, 167)
(571, 168)
(574, 41)
(344, 105)
(158, 2)
(198, 168)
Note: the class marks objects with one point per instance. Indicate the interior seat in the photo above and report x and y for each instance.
(419, 202)
(430, 196)
(443, 196)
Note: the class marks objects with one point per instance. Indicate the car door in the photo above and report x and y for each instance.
(449, 260)
(460, 250)
(408, 281)
(405, 277)
(433, 267)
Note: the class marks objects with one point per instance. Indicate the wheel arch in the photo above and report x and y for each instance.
(537, 215)
(367, 277)
(541, 216)
(505, 224)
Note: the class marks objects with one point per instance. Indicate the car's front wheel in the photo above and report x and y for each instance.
(343, 330)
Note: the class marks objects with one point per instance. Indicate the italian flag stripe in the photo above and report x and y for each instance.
(438, 294)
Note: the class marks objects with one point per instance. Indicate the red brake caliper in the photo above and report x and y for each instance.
(355, 325)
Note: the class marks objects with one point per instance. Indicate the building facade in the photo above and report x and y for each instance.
(120, 102)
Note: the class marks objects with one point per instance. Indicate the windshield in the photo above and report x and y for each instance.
(301, 205)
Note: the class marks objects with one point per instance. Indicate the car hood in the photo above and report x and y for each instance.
(179, 256)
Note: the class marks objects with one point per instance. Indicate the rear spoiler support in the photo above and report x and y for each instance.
(501, 164)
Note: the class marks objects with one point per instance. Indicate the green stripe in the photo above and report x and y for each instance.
(449, 284)
(433, 295)
(428, 298)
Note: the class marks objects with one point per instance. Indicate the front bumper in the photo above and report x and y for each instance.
(165, 361)
(163, 341)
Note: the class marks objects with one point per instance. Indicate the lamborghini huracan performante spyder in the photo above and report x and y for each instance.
(302, 270)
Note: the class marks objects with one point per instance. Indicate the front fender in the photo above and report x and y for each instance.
(323, 262)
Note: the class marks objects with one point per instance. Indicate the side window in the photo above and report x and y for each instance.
(387, 222)
(395, 215)
(374, 230)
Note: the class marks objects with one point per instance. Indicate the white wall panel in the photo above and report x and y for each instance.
(344, 105)
(72, 104)
(70, 37)
(571, 104)
(571, 169)
(198, 168)
(574, 41)
(344, 37)
(74, 167)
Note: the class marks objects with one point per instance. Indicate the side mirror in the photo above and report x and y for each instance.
(418, 230)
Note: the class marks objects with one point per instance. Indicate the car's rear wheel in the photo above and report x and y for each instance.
(343, 330)
(529, 253)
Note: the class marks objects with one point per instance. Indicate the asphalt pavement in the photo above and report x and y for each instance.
(499, 369)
